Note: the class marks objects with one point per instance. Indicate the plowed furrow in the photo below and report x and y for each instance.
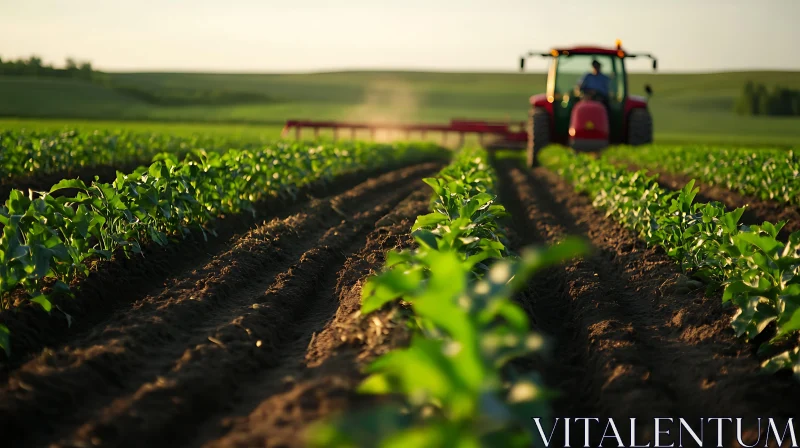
(636, 342)
(318, 376)
(122, 282)
(592, 333)
(179, 350)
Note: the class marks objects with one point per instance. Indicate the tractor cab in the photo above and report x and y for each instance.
(587, 104)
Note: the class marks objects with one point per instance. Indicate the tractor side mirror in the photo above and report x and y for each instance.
(521, 64)
(655, 64)
(648, 89)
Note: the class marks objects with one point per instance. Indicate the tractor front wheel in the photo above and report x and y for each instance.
(640, 127)
(538, 134)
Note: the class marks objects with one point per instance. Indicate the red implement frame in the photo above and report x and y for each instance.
(512, 134)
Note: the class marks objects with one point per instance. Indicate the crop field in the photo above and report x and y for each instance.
(192, 286)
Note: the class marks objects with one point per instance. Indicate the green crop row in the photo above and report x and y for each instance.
(47, 240)
(457, 384)
(26, 152)
(769, 174)
(760, 274)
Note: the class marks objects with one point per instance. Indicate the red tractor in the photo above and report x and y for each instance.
(587, 113)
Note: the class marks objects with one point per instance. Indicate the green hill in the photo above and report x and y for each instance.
(685, 106)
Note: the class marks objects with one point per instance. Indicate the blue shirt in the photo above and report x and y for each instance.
(598, 82)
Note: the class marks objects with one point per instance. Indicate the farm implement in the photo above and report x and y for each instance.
(501, 134)
(570, 112)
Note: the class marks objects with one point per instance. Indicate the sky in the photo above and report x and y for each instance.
(449, 35)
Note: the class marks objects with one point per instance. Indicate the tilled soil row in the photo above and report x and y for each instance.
(757, 210)
(631, 339)
(322, 372)
(152, 372)
(124, 280)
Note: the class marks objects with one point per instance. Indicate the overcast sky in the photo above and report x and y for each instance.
(317, 35)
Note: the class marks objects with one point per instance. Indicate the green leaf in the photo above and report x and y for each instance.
(736, 288)
(43, 301)
(790, 317)
(792, 324)
(388, 286)
(82, 220)
(432, 181)
(752, 317)
(514, 316)
(69, 183)
(770, 229)
(395, 257)
(426, 238)
(423, 368)
(473, 204)
(106, 254)
(61, 288)
(730, 250)
(769, 245)
(789, 360)
(688, 193)
(157, 237)
(429, 220)
(41, 257)
(158, 170)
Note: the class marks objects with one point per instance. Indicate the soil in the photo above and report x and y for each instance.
(227, 328)
(631, 339)
(321, 374)
(251, 338)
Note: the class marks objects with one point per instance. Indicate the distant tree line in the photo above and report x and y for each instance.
(35, 67)
(162, 96)
(757, 99)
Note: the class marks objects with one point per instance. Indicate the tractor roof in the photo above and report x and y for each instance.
(587, 50)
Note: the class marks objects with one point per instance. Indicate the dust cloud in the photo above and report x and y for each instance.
(387, 101)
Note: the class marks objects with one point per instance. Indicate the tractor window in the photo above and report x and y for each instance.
(617, 80)
(571, 68)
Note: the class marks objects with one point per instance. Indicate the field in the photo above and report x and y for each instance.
(215, 287)
(181, 276)
(687, 107)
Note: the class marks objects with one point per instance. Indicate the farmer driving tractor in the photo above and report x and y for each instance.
(595, 85)
(587, 111)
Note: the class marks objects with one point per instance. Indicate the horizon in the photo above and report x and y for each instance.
(311, 36)
(432, 71)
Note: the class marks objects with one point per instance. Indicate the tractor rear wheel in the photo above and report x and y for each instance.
(538, 134)
(640, 127)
